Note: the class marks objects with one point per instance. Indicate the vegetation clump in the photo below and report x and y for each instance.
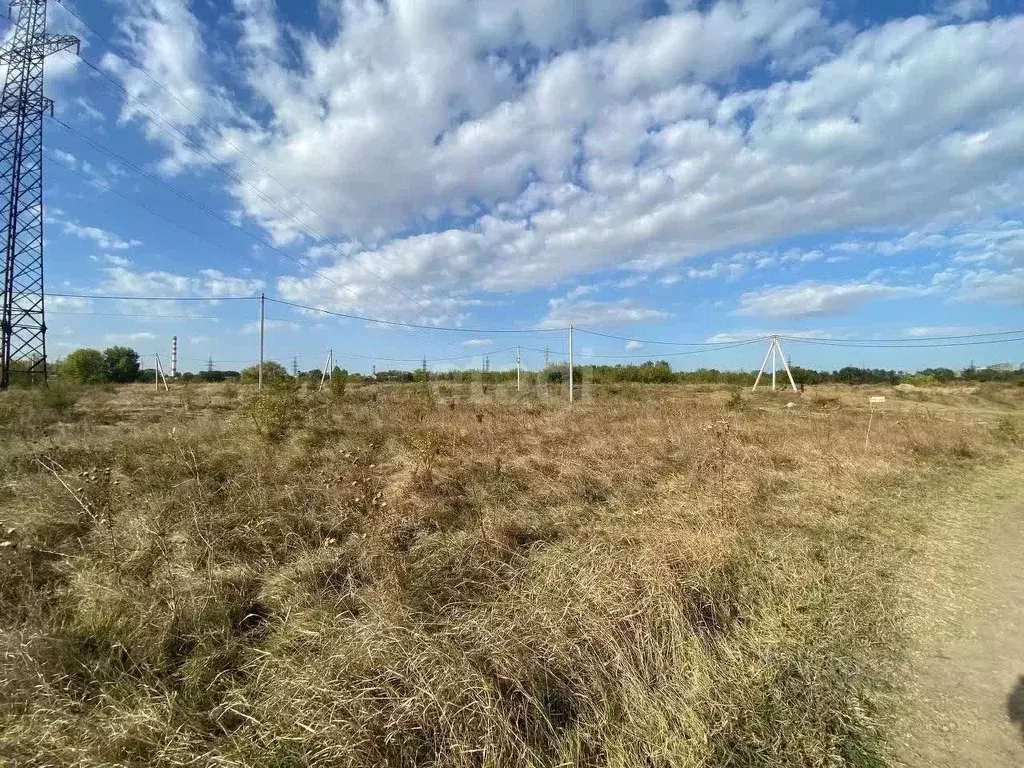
(383, 579)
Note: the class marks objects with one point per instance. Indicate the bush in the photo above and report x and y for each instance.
(122, 364)
(85, 366)
(271, 372)
(339, 378)
(276, 410)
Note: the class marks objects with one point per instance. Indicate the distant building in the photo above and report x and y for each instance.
(1002, 367)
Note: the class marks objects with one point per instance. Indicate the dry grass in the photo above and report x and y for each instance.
(659, 577)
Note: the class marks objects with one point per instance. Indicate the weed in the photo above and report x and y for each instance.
(658, 578)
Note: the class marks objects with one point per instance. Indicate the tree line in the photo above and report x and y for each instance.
(121, 365)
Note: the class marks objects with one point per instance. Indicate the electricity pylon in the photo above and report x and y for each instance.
(23, 323)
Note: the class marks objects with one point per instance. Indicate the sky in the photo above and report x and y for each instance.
(655, 170)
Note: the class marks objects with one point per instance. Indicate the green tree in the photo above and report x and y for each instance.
(122, 364)
(339, 378)
(86, 366)
(271, 372)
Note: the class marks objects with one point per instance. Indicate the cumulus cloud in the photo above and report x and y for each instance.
(617, 139)
(989, 286)
(634, 345)
(810, 298)
(562, 312)
(478, 342)
(103, 239)
(206, 283)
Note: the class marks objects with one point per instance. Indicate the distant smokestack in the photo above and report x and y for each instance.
(174, 356)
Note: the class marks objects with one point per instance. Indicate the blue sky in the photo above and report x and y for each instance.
(689, 171)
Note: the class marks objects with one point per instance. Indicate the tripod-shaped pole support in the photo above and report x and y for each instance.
(775, 353)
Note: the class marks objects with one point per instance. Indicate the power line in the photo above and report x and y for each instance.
(262, 241)
(669, 343)
(410, 325)
(181, 135)
(720, 346)
(149, 298)
(865, 345)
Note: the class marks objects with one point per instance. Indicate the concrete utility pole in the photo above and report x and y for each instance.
(572, 395)
(263, 301)
(774, 349)
(328, 371)
(174, 356)
(159, 374)
(519, 362)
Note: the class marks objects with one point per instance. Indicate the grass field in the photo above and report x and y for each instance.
(657, 576)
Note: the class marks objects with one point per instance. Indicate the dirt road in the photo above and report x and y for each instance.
(966, 678)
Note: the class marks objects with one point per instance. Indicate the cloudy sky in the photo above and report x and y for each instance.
(684, 170)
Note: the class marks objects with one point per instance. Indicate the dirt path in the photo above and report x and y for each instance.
(966, 678)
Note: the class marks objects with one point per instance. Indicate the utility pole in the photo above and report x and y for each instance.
(209, 365)
(572, 395)
(547, 356)
(519, 364)
(159, 374)
(295, 367)
(424, 366)
(328, 372)
(174, 356)
(263, 302)
(23, 320)
(774, 348)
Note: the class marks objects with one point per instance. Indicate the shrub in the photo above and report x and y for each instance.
(122, 364)
(85, 366)
(276, 410)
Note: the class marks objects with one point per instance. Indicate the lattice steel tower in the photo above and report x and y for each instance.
(23, 324)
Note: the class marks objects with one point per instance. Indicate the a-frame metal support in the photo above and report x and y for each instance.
(775, 353)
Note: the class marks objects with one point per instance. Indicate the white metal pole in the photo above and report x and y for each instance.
(764, 363)
(156, 373)
(774, 343)
(519, 360)
(263, 300)
(572, 395)
(174, 356)
(785, 364)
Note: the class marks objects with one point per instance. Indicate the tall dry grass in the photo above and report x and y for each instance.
(403, 577)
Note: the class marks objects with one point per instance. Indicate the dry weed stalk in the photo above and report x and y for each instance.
(659, 577)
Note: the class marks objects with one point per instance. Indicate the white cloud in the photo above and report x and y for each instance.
(125, 337)
(817, 298)
(67, 304)
(961, 9)
(270, 325)
(198, 339)
(925, 331)
(207, 283)
(761, 333)
(478, 342)
(992, 287)
(102, 238)
(629, 139)
(65, 157)
(634, 345)
(562, 312)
